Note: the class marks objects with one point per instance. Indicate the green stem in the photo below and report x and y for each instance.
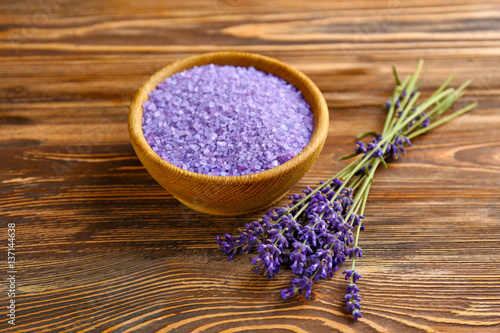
(395, 96)
(356, 182)
(361, 212)
(444, 85)
(361, 192)
(442, 120)
(412, 83)
(436, 111)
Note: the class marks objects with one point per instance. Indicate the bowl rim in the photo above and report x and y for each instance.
(319, 133)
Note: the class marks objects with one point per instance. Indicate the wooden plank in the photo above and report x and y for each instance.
(102, 248)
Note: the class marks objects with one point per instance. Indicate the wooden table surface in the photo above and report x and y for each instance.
(101, 247)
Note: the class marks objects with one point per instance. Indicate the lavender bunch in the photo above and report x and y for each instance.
(319, 230)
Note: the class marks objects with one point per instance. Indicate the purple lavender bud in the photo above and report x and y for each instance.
(323, 272)
(307, 288)
(227, 245)
(302, 284)
(348, 273)
(350, 307)
(340, 258)
(297, 260)
(393, 150)
(290, 291)
(297, 267)
(296, 198)
(352, 289)
(327, 239)
(314, 264)
(352, 273)
(337, 183)
(282, 242)
(356, 314)
(294, 225)
(426, 122)
(355, 251)
(254, 228)
(352, 296)
(306, 249)
(403, 93)
(388, 105)
(360, 147)
(282, 211)
(269, 259)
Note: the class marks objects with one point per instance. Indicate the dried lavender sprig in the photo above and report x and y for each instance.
(313, 235)
(400, 123)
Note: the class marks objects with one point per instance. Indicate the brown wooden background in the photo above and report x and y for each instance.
(102, 248)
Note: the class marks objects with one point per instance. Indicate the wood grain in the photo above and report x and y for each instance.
(102, 247)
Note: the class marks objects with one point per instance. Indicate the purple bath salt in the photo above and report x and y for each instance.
(226, 120)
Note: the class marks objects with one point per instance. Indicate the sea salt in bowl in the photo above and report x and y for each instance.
(230, 195)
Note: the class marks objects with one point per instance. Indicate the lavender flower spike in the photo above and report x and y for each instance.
(351, 273)
(352, 298)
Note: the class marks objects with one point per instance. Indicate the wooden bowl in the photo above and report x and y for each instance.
(234, 195)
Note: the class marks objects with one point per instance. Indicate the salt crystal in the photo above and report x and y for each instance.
(240, 120)
(194, 146)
